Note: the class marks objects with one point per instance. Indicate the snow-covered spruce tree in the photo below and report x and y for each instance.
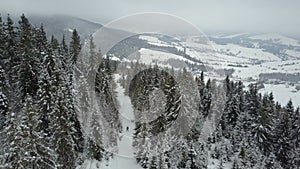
(57, 106)
(28, 71)
(271, 163)
(64, 55)
(13, 141)
(11, 61)
(94, 144)
(170, 88)
(74, 52)
(296, 137)
(87, 114)
(53, 124)
(3, 113)
(197, 155)
(206, 98)
(47, 93)
(75, 47)
(34, 151)
(2, 43)
(185, 154)
(190, 110)
(11, 128)
(64, 144)
(204, 104)
(40, 42)
(248, 118)
(94, 58)
(296, 127)
(283, 135)
(3, 100)
(142, 144)
(230, 115)
(263, 130)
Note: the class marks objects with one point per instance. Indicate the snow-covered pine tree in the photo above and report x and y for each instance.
(64, 54)
(202, 89)
(143, 144)
(75, 126)
(40, 42)
(95, 145)
(13, 141)
(206, 99)
(35, 153)
(296, 137)
(296, 127)
(3, 100)
(94, 58)
(170, 88)
(28, 70)
(197, 156)
(75, 47)
(48, 87)
(3, 113)
(2, 42)
(263, 130)
(64, 144)
(271, 162)
(283, 135)
(189, 110)
(249, 117)
(11, 61)
(231, 112)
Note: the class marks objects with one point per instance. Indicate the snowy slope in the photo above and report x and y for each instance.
(243, 52)
(155, 41)
(149, 56)
(276, 38)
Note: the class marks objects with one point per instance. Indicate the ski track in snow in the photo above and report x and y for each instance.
(125, 157)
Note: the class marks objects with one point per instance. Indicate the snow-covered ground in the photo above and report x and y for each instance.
(283, 93)
(148, 56)
(155, 41)
(124, 159)
(277, 38)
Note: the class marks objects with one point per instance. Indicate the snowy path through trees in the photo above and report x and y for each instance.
(125, 158)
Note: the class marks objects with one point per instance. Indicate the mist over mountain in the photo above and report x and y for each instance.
(59, 25)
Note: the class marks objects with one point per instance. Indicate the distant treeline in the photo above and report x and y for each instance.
(280, 76)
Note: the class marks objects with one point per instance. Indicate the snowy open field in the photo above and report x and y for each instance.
(283, 93)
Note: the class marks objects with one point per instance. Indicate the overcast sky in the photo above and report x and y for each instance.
(211, 15)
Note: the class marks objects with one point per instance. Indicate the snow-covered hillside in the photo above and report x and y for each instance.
(149, 56)
(247, 55)
(277, 38)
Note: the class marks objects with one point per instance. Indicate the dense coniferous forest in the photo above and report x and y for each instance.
(42, 124)
(39, 124)
(250, 130)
